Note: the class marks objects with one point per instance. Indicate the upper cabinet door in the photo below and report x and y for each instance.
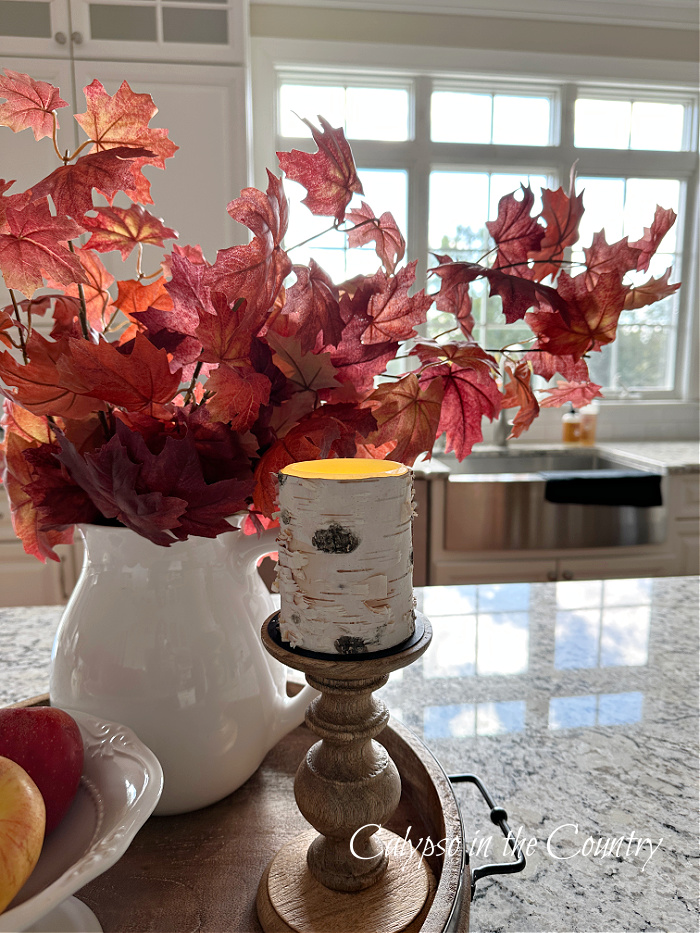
(204, 110)
(197, 31)
(34, 27)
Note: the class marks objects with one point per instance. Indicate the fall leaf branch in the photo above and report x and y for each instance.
(189, 394)
(22, 342)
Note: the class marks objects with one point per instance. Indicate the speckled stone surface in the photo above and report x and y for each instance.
(675, 456)
(577, 705)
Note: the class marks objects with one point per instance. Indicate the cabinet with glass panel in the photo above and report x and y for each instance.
(440, 153)
(138, 30)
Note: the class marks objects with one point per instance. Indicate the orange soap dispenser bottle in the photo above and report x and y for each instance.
(571, 427)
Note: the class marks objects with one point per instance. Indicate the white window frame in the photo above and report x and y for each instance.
(668, 415)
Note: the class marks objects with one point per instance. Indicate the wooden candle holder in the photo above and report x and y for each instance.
(355, 876)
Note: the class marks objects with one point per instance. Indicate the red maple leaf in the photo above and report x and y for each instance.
(312, 304)
(389, 242)
(649, 243)
(70, 186)
(122, 120)
(110, 478)
(98, 301)
(237, 396)
(547, 364)
(651, 291)
(602, 256)
(267, 215)
(356, 363)
(329, 175)
(17, 477)
(590, 320)
(517, 294)
(226, 335)
(515, 232)
(518, 394)
(139, 380)
(307, 372)
(39, 385)
(470, 392)
(121, 228)
(255, 272)
(30, 103)
(562, 214)
(393, 314)
(134, 296)
(36, 242)
(579, 394)
(454, 298)
(407, 415)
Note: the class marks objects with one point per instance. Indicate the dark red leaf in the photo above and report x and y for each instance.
(267, 215)
(518, 394)
(393, 314)
(408, 415)
(312, 303)
(590, 320)
(328, 175)
(650, 242)
(238, 395)
(36, 242)
(515, 233)
(70, 186)
(562, 214)
(389, 243)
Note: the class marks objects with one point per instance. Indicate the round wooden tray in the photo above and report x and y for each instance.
(200, 871)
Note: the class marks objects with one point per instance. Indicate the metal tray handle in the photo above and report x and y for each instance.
(500, 818)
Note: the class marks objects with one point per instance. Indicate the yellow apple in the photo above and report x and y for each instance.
(22, 823)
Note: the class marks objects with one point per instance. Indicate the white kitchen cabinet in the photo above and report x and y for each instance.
(211, 31)
(203, 108)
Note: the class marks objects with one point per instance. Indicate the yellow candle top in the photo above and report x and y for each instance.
(345, 468)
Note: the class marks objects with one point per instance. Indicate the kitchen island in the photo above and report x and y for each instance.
(577, 705)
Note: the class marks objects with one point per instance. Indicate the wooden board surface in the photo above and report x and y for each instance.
(200, 871)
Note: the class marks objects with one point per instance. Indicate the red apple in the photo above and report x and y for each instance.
(47, 743)
(22, 821)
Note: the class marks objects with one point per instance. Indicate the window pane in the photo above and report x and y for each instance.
(456, 117)
(604, 203)
(304, 100)
(657, 126)
(385, 190)
(644, 355)
(602, 124)
(459, 204)
(521, 121)
(643, 194)
(376, 113)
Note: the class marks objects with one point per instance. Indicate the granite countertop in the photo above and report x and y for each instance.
(577, 705)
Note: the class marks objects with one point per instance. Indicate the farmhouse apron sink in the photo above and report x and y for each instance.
(543, 499)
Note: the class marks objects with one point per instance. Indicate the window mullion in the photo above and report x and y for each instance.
(419, 176)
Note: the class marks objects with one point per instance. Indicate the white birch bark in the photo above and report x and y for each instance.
(345, 572)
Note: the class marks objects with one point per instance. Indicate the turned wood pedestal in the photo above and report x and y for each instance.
(351, 876)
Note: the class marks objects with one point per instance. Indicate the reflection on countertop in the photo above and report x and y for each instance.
(577, 704)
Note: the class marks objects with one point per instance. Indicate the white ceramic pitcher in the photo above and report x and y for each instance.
(167, 642)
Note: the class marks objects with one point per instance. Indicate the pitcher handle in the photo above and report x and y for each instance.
(293, 708)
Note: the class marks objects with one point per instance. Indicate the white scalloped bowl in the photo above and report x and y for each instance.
(121, 784)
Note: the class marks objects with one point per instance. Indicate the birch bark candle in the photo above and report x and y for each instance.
(345, 572)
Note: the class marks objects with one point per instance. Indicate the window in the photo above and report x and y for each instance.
(439, 154)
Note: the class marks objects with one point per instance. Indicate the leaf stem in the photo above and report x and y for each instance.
(190, 389)
(55, 135)
(22, 342)
(314, 237)
(82, 314)
(69, 158)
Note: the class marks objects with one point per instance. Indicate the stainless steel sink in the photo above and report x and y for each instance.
(509, 462)
(495, 501)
